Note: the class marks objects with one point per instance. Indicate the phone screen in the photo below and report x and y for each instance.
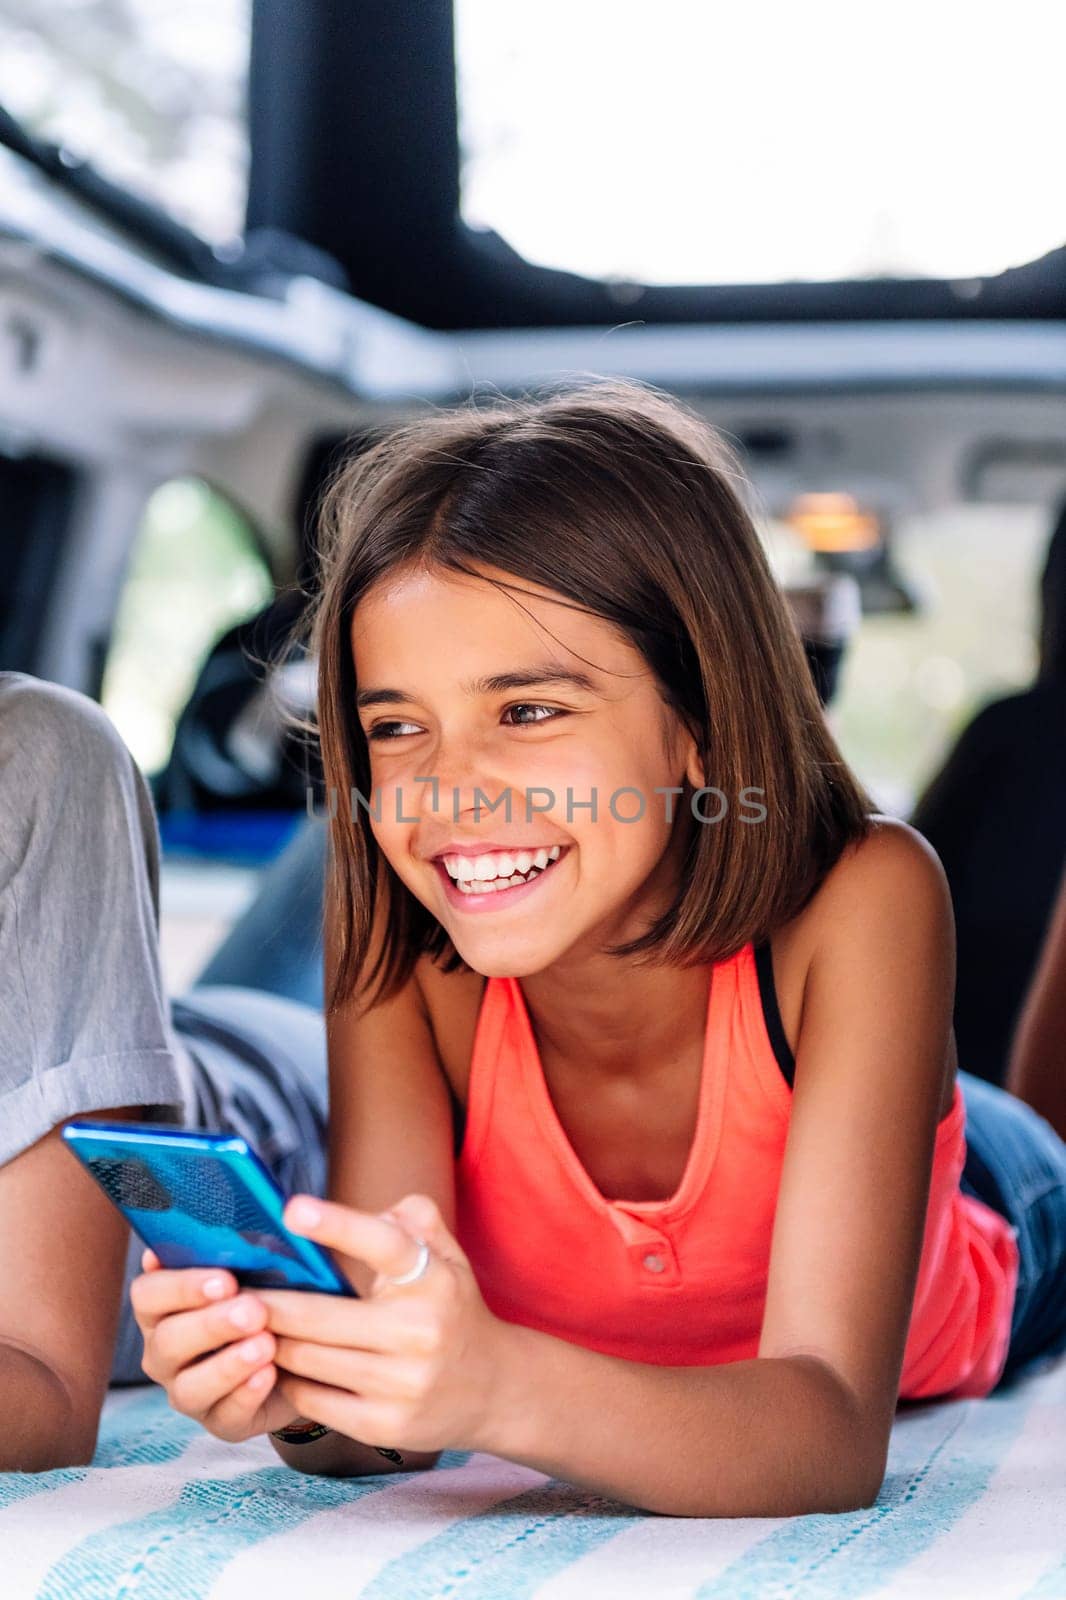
(202, 1199)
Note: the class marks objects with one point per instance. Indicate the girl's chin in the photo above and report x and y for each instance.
(497, 966)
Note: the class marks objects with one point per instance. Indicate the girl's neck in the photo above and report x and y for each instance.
(616, 1018)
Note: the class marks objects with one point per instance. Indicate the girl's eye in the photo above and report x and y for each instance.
(549, 714)
(388, 730)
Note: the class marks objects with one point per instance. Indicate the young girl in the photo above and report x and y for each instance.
(607, 908)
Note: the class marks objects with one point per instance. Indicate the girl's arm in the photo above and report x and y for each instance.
(804, 1427)
(1037, 1070)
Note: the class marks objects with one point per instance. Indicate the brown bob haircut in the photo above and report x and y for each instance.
(630, 506)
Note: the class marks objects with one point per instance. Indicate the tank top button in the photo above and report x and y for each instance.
(654, 1263)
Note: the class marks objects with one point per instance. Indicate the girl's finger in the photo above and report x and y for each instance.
(331, 1319)
(198, 1388)
(355, 1371)
(232, 1416)
(161, 1293)
(383, 1245)
(335, 1408)
(185, 1336)
(150, 1262)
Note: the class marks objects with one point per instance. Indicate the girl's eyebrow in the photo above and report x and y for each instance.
(497, 683)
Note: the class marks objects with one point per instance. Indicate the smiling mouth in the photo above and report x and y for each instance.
(527, 865)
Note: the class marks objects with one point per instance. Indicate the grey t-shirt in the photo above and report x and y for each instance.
(84, 1019)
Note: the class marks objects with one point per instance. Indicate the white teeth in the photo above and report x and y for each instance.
(501, 870)
(491, 885)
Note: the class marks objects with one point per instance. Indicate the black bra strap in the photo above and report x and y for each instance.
(458, 1122)
(768, 994)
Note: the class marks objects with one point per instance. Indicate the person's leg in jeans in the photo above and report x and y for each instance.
(1016, 1163)
(276, 943)
(254, 1016)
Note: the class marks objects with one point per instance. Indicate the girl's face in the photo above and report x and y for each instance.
(516, 746)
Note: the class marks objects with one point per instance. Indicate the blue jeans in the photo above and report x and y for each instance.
(254, 1017)
(276, 945)
(1016, 1163)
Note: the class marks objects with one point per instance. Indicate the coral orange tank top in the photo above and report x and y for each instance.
(682, 1281)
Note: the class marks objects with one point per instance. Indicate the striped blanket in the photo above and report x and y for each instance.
(973, 1505)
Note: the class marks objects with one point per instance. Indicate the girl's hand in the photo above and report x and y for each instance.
(410, 1365)
(186, 1315)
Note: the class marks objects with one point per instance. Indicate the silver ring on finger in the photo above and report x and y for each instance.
(419, 1268)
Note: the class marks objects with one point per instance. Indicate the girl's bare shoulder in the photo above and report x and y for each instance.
(871, 877)
(892, 863)
(893, 874)
(889, 869)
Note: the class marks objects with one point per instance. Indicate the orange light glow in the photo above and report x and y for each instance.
(833, 522)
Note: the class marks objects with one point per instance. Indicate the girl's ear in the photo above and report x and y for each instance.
(680, 745)
(693, 765)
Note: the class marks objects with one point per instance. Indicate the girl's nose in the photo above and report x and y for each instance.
(476, 799)
(461, 781)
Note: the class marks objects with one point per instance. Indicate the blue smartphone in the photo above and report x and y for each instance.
(202, 1199)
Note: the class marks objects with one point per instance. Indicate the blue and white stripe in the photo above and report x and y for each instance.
(973, 1505)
